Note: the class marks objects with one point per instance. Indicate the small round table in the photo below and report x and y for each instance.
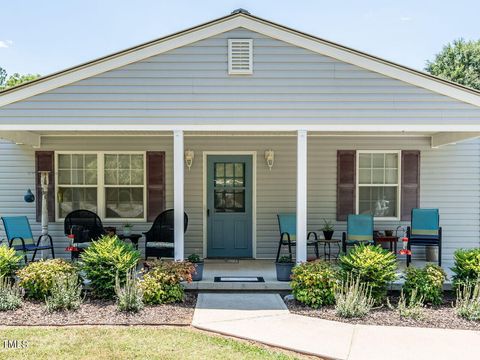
(132, 237)
(327, 244)
(392, 240)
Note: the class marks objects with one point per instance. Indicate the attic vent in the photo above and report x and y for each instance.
(240, 56)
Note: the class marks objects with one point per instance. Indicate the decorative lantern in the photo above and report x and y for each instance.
(29, 197)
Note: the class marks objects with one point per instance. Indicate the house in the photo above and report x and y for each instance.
(235, 121)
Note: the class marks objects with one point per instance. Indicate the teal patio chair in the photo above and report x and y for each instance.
(287, 224)
(17, 228)
(359, 231)
(425, 230)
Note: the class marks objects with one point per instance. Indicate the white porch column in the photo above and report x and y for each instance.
(178, 194)
(301, 196)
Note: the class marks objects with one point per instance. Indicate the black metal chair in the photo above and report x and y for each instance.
(18, 228)
(85, 226)
(159, 240)
(425, 230)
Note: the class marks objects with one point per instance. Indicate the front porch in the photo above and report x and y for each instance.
(302, 180)
(266, 270)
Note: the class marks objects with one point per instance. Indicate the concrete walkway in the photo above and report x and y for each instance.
(265, 318)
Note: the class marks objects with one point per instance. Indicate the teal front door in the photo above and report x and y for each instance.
(229, 206)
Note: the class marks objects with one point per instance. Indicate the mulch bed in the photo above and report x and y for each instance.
(99, 312)
(442, 316)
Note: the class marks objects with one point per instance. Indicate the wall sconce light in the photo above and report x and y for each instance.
(269, 158)
(189, 156)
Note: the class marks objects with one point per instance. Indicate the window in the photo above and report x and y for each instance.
(378, 183)
(240, 56)
(110, 184)
(229, 187)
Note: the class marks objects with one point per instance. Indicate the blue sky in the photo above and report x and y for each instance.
(47, 36)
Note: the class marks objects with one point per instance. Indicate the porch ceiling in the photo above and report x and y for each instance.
(438, 139)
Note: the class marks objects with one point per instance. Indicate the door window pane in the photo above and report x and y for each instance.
(229, 182)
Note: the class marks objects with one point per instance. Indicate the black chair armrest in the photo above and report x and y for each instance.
(286, 234)
(10, 242)
(315, 236)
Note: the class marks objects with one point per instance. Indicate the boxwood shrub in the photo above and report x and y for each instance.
(372, 265)
(426, 282)
(313, 283)
(104, 260)
(467, 266)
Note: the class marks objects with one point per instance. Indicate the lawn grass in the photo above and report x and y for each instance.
(127, 343)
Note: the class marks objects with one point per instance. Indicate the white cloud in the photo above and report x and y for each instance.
(5, 43)
(406, 18)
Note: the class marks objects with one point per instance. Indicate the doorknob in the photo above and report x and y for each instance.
(208, 212)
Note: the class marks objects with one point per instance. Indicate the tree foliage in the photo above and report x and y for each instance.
(459, 62)
(15, 79)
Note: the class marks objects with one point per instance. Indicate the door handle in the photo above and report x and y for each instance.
(208, 212)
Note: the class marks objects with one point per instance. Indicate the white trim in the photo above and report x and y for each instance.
(399, 180)
(253, 154)
(251, 23)
(22, 138)
(258, 126)
(178, 194)
(442, 139)
(100, 186)
(302, 166)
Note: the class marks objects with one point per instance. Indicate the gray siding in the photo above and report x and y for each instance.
(449, 181)
(190, 85)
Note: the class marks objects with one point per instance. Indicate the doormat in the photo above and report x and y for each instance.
(239, 279)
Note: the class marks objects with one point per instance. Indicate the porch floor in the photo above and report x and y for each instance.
(266, 269)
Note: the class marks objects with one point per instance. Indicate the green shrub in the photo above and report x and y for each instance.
(353, 298)
(373, 266)
(161, 284)
(103, 260)
(65, 294)
(313, 283)
(410, 306)
(9, 261)
(467, 305)
(130, 295)
(10, 295)
(467, 266)
(427, 282)
(194, 258)
(37, 278)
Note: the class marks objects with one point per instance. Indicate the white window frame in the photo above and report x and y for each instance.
(101, 204)
(399, 184)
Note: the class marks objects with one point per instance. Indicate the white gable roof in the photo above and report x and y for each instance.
(233, 21)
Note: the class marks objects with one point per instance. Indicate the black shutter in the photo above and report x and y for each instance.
(155, 184)
(410, 183)
(346, 168)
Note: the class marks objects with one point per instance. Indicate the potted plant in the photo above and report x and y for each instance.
(198, 263)
(284, 267)
(327, 229)
(127, 229)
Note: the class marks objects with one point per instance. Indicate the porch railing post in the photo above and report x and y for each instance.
(178, 193)
(301, 196)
